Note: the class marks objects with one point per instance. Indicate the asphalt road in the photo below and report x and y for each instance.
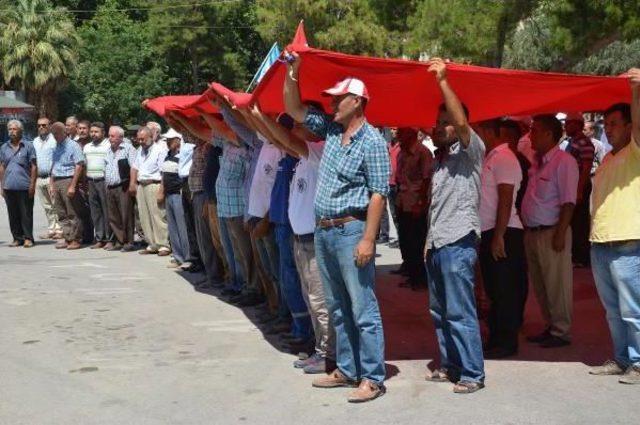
(92, 337)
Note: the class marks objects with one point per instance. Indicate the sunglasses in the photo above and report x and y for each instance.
(43, 125)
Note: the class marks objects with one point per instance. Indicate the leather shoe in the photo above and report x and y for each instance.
(366, 391)
(61, 244)
(15, 244)
(540, 337)
(554, 342)
(97, 245)
(73, 245)
(334, 379)
(128, 248)
(28, 243)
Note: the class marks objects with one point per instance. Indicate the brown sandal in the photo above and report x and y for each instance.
(467, 387)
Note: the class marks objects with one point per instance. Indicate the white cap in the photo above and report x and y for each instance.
(348, 85)
(561, 116)
(172, 134)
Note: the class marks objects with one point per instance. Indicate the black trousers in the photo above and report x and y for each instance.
(412, 235)
(505, 283)
(580, 228)
(20, 209)
(187, 205)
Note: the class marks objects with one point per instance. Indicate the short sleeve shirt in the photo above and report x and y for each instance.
(148, 162)
(66, 156)
(349, 174)
(279, 207)
(455, 192)
(552, 183)
(263, 179)
(234, 164)
(616, 197)
(413, 178)
(95, 154)
(125, 152)
(501, 166)
(17, 165)
(303, 191)
(44, 151)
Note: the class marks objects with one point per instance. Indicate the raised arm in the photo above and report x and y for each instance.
(227, 134)
(456, 112)
(634, 77)
(292, 102)
(279, 136)
(199, 131)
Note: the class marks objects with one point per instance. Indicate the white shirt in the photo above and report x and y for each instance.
(44, 151)
(263, 178)
(501, 166)
(150, 162)
(303, 191)
(428, 143)
(95, 156)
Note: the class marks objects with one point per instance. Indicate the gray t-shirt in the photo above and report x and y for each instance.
(455, 193)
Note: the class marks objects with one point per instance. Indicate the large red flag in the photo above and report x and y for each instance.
(403, 93)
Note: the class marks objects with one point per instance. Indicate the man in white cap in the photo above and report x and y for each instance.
(353, 185)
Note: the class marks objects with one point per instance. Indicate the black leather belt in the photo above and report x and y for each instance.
(55, 179)
(98, 180)
(539, 228)
(304, 238)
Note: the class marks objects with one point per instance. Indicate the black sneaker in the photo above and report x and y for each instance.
(544, 335)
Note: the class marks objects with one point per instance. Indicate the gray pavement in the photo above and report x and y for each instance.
(109, 338)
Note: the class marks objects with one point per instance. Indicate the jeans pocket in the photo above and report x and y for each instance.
(352, 228)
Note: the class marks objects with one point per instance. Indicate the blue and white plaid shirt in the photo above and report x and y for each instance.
(348, 174)
(234, 164)
(44, 153)
(111, 171)
(65, 157)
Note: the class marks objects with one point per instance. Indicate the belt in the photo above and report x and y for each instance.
(113, 186)
(148, 182)
(326, 223)
(539, 228)
(55, 179)
(304, 238)
(615, 243)
(96, 180)
(43, 176)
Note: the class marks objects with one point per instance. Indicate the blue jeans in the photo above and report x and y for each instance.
(351, 300)
(235, 274)
(290, 283)
(452, 303)
(178, 235)
(616, 269)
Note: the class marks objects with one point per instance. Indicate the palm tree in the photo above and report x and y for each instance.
(39, 48)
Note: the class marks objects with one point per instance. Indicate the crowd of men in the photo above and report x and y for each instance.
(284, 212)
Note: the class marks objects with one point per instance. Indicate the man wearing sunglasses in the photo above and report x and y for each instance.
(44, 145)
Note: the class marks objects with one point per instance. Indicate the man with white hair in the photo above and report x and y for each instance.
(18, 175)
(156, 133)
(119, 159)
(144, 184)
(71, 127)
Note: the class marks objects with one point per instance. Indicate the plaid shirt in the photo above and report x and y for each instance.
(348, 174)
(230, 183)
(198, 164)
(65, 157)
(111, 170)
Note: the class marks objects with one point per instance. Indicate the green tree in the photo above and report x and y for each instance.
(39, 51)
(207, 42)
(349, 26)
(118, 68)
(466, 30)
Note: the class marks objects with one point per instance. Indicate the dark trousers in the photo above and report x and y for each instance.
(505, 283)
(187, 206)
(384, 222)
(20, 209)
(412, 235)
(580, 228)
(97, 198)
(120, 210)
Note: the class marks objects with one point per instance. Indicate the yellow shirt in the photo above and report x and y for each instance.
(616, 197)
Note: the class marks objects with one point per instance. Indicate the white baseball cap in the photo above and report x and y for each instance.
(348, 85)
(172, 134)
